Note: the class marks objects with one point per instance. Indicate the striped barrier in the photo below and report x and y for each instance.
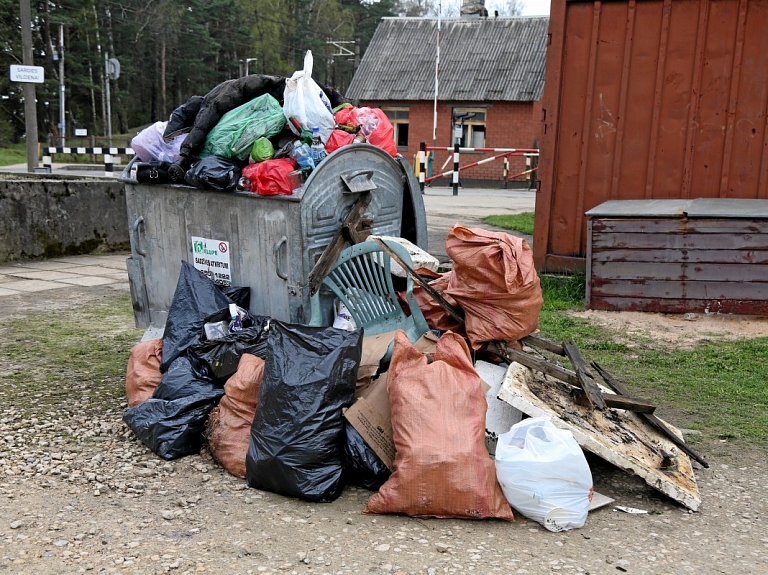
(106, 152)
(504, 153)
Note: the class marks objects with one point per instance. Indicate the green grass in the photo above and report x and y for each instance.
(522, 223)
(13, 154)
(73, 360)
(719, 387)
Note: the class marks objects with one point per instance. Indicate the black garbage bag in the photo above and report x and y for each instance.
(241, 295)
(196, 297)
(298, 430)
(171, 429)
(221, 356)
(214, 173)
(361, 464)
(186, 377)
(182, 118)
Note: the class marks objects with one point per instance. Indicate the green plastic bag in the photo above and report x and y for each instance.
(262, 150)
(238, 129)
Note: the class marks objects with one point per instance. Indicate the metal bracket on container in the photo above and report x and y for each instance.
(135, 244)
(359, 181)
(279, 244)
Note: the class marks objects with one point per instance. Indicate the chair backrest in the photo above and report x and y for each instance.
(361, 279)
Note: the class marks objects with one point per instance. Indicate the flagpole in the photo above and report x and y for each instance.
(437, 74)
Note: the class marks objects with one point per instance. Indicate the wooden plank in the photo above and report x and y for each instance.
(657, 423)
(680, 241)
(588, 384)
(680, 225)
(615, 401)
(681, 290)
(739, 307)
(680, 255)
(543, 343)
(679, 271)
(620, 437)
(533, 362)
(567, 376)
(346, 233)
(454, 312)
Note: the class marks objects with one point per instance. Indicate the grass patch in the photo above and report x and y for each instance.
(13, 154)
(522, 223)
(73, 361)
(720, 387)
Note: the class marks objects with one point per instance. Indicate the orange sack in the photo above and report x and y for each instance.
(143, 375)
(442, 467)
(229, 424)
(433, 312)
(495, 283)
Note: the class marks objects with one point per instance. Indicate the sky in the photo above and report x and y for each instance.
(536, 7)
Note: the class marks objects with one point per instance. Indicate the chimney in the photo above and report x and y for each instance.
(473, 9)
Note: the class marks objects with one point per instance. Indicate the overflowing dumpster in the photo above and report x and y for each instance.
(268, 242)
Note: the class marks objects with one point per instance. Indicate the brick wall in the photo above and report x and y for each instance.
(508, 125)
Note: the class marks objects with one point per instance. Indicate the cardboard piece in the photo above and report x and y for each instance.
(376, 346)
(370, 415)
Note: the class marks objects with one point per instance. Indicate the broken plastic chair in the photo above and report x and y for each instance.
(361, 279)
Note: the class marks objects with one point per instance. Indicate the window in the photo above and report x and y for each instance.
(399, 119)
(472, 123)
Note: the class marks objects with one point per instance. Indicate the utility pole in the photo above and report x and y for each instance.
(62, 108)
(109, 100)
(30, 105)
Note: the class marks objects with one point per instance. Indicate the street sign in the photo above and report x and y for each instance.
(81, 131)
(34, 74)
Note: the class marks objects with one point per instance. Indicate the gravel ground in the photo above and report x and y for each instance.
(79, 493)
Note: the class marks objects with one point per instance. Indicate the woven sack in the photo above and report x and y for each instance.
(442, 467)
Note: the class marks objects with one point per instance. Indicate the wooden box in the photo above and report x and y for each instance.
(679, 256)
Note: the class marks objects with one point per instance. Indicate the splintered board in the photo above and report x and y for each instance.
(618, 436)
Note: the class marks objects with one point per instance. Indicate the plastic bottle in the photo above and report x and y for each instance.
(236, 323)
(302, 155)
(318, 149)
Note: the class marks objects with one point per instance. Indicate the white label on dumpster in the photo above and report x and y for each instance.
(212, 258)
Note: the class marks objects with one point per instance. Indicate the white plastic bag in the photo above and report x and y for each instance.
(343, 319)
(150, 146)
(544, 474)
(305, 104)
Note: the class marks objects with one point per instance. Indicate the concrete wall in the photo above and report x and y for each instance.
(47, 216)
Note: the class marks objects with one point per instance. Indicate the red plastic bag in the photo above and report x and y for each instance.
(338, 139)
(442, 468)
(143, 375)
(494, 281)
(376, 126)
(270, 177)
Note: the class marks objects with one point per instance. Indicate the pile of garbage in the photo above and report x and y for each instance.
(260, 134)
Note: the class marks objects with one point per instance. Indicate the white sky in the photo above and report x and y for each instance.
(536, 7)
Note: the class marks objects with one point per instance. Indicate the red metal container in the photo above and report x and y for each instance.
(648, 100)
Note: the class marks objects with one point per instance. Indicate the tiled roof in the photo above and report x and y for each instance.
(481, 59)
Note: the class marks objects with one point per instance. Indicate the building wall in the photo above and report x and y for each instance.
(508, 125)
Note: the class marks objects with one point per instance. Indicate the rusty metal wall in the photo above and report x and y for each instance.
(648, 99)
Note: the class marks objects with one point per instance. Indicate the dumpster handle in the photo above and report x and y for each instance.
(282, 241)
(135, 227)
(357, 185)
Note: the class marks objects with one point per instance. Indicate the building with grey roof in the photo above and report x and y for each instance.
(491, 79)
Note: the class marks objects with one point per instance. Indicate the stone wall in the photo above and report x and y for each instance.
(45, 216)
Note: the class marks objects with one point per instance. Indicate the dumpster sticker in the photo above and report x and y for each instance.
(212, 258)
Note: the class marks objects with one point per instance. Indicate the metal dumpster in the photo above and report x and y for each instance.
(269, 243)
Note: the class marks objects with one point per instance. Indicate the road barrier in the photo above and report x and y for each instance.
(108, 153)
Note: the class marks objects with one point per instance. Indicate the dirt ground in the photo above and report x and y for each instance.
(79, 493)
